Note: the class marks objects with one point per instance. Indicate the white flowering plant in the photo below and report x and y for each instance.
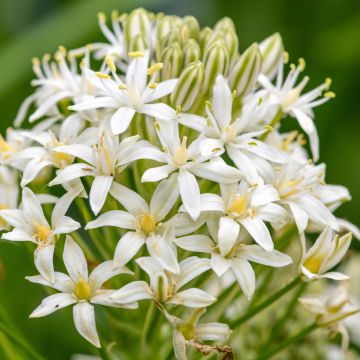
(152, 169)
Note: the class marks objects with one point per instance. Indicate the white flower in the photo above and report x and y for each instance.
(133, 95)
(230, 253)
(188, 162)
(30, 224)
(104, 162)
(81, 289)
(145, 221)
(9, 194)
(223, 131)
(286, 97)
(327, 251)
(165, 286)
(250, 207)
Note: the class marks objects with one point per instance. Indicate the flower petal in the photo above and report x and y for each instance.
(74, 260)
(43, 258)
(121, 119)
(118, 218)
(127, 248)
(134, 291)
(258, 231)
(53, 303)
(99, 191)
(228, 233)
(193, 298)
(245, 276)
(189, 192)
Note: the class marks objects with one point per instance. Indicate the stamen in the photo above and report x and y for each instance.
(178, 109)
(155, 68)
(330, 94)
(285, 57)
(153, 86)
(302, 63)
(102, 75)
(122, 87)
(110, 63)
(101, 17)
(208, 104)
(136, 54)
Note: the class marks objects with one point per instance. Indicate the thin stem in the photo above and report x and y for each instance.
(273, 298)
(146, 326)
(272, 124)
(289, 341)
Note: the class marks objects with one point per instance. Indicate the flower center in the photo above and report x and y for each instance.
(62, 160)
(289, 187)
(239, 205)
(42, 233)
(314, 264)
(187, 330)
(5, 148)
(229, 133)
(147, 223)
(181, 153)
(82, 290)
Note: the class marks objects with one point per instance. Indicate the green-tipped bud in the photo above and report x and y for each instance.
(190, 28)
(189, 85)
(246, 71)
(216, 60)
(272, 50)
(204, 37)
(138, 23)
(225, 24)
(137, 43)
(172, 59)
(191, 51)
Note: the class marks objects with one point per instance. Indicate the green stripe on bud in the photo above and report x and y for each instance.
(272, 50)
(205, 34)
(191, 51)
(246, 71)
(190, 28)
(138, 23)
(172, 58)
(138, 43)
(216, 60)
(189, 85)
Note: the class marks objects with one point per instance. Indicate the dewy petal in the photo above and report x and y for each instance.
(127, 248)
(193, 298)
(217, 172)
(258, 231)
(84, 319)
(212, 331)
(164, 198)
(245, 276)
(43, 258)
(257, 254)
(219, 264)
(227, 235)
(222, 102)
(156, 173)
(189, 192)
(190, 268)
(161, 250)
(158, 111)
(118, 218)
(307, 124)
(74, 260)
(196, 243)
(99, 191)
(53, 303)
(134, 291)
(121, 119)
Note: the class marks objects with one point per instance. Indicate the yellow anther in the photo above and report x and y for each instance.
(101, 17)
(136, 54)
(147, 223)
(330, 94)
(208, 104)
(178, 109)
(301, 140)
(35, 61)
(153, 85)
(252, 143)
(82, 290)
(114, 14)
(302, 64)
(239, 204)
(328, 82)
(285, 57)
(42, 233)
(288, 140)
(269, 128)
(46, 57)
(181, 153)
(155, 68)
(110, 63)
(310, 161)
(122, 87)
(102, 75)
(62, 50)
(4, 145)
(292, 67)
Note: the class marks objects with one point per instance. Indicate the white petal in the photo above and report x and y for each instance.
(32, 170)
(104, 297)
(313, 304)
(257, 254)
(211, 202)
(190, 268)
(217, 172)
(158, 111)
(134, 291)
(53, 303)
(273, 213)
(192, 121)
(162, 89)
(300, 216)
(245, 276)
(99, 191)
(72, 172)
(18, 235)
(219, 264)
(264, 195)
(179, 345)
(80, 151)
(212, 331)
(121, 119)
(32, 208)
(228, 233)
(66, 225)
(74, 260)
(197, 243)
(156, 173)
(118, 218)
(84, 319)
(335, 276)
(189, 192)
(62, 282)
(14, 217)
(127, 248)
(43, 258)
(258, 231)
(193, 298)
(222, 101)
(95, 103)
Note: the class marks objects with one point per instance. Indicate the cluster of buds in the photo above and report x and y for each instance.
(165, 135)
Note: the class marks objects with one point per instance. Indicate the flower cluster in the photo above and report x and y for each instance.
(165, 143)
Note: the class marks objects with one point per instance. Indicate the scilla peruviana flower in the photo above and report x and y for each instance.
(133, 95)
(188, 162)
(104, 162)
(145, 222)
(9, 194)
(30, 224)
(251, 207)
(229, 252)
(81, 289)
(164, 286)
(327, 251)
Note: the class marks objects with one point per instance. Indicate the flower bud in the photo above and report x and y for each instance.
(271, 50)
(216, 61)
(137, 23)
(137, 43)
(191, 51)
(189, 85)
(172, 58)
(190, 28)
(204, 37)
(246, 71)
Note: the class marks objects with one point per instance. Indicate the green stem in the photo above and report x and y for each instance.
(289, 341)
(269, 301)
(146, 326)
(272, 124)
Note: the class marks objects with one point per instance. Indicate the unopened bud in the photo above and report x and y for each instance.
(189, 85)
(138, 43)
(172, 59)
(246, 71)
(272, 51)
(191, 51)
(204, 37)
(137, 23)
(190, 29)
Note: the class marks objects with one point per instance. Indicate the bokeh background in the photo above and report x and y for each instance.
(325, 32)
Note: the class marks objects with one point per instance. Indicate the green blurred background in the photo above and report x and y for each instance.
(325, 32)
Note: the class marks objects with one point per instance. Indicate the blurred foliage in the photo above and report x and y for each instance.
(325, 32)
